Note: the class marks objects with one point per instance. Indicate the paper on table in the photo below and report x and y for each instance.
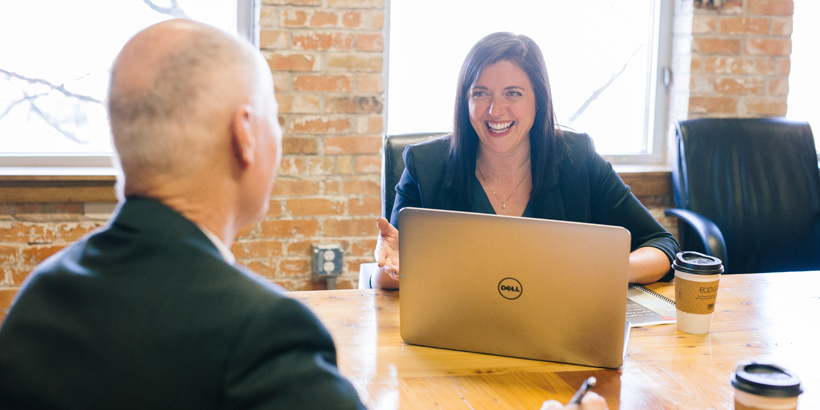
(647, 308)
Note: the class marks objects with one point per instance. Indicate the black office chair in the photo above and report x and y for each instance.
(748, 192)
(392, 168)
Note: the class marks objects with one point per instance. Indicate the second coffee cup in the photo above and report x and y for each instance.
(696, 284)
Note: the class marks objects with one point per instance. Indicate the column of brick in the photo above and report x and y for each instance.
(740, 58)
(327, 59)
(30, 233)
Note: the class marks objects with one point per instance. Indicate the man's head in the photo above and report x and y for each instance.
(189, 103)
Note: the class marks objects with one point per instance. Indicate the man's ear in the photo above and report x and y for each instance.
(243, 139)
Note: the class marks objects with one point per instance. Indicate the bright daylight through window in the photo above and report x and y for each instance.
(600, 55)
(804, 85)
(54, 68)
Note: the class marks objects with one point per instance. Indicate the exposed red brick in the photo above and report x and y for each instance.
(294, 2)
(377, 20)
(369, 205)
(785, 65)
(354, 105)
(320, 125)
(6, 297)
(782, 27)
(325, 83)
(321, 19)
(731, 65)
(779, 87)
(323, 41)
(771, 7)
(363, 247)
(739, 85)
(295, 145)
(33, 255)
(368, 164)
(769, 46)
(294, 267)
(773, 106)
(715, 46)
(744, 25)
(352, 145)
(296, 187)
(263, 268)
(356, 3)
(273, 39)
(352, 19)
(274, 209)
(357, 64)
(712, 104)
(256, 249)
(303, 247)
(703, 24)
(293, 18)
(315, 206)
(292, 62)
(8, 254)
(281, 81)
(248, 231)
(349, 227)
(306, 166)
(288, 228)
(370, 42)
(371, 125)
(370, 83)
(299, 103)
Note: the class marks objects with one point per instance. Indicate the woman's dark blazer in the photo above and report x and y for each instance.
(588, 190)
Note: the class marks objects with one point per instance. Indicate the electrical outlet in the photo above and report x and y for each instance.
(327, 259)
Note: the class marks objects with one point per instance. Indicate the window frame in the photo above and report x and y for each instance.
(247, 26)
(659, 68)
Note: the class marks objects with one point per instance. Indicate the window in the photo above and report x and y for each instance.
(54, 70)
(804, 85)
(602, 58)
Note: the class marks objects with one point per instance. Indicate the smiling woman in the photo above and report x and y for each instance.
(54, 74)
(507, 157)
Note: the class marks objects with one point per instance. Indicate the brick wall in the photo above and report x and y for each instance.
(328, 57)
(740, 58)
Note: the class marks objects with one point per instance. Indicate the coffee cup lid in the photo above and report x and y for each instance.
(767, 380)
(697, 263)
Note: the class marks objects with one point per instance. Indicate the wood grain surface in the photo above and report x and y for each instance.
(763, 317)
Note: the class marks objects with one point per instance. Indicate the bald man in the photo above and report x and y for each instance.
(150, 312)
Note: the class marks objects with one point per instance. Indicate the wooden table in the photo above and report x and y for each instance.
(764, 317)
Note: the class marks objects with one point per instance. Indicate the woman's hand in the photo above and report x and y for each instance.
(387, 257)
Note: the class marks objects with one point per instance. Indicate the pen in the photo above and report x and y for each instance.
(588, 384)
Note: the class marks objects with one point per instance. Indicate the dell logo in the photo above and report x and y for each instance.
(510, 288)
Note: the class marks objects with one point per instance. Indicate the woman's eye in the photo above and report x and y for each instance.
(479, 94)
(514, 93)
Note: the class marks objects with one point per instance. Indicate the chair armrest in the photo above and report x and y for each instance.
(709, 234)
(366, 270)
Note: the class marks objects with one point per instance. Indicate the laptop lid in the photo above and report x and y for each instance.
(530, 288)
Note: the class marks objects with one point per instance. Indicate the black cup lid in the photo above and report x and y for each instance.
(767, 380)
(697, 263)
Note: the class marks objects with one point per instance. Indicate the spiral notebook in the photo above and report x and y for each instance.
(645, 307)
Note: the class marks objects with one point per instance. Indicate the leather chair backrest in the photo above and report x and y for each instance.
(393, 164)
(757, 179)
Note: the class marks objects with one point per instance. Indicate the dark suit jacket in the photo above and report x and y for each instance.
(145, 314)
(588, 190)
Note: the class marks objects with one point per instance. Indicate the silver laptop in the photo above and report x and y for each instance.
(530, 288)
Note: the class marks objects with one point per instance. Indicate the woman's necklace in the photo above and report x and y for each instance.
(503, 201)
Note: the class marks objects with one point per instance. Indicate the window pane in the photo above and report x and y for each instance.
(598, 55)
(804, 85)
(56, 58)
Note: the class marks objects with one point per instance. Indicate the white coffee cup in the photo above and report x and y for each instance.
(696, 284)
(761, 386)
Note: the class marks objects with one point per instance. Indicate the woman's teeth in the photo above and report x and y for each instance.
(499, 127)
